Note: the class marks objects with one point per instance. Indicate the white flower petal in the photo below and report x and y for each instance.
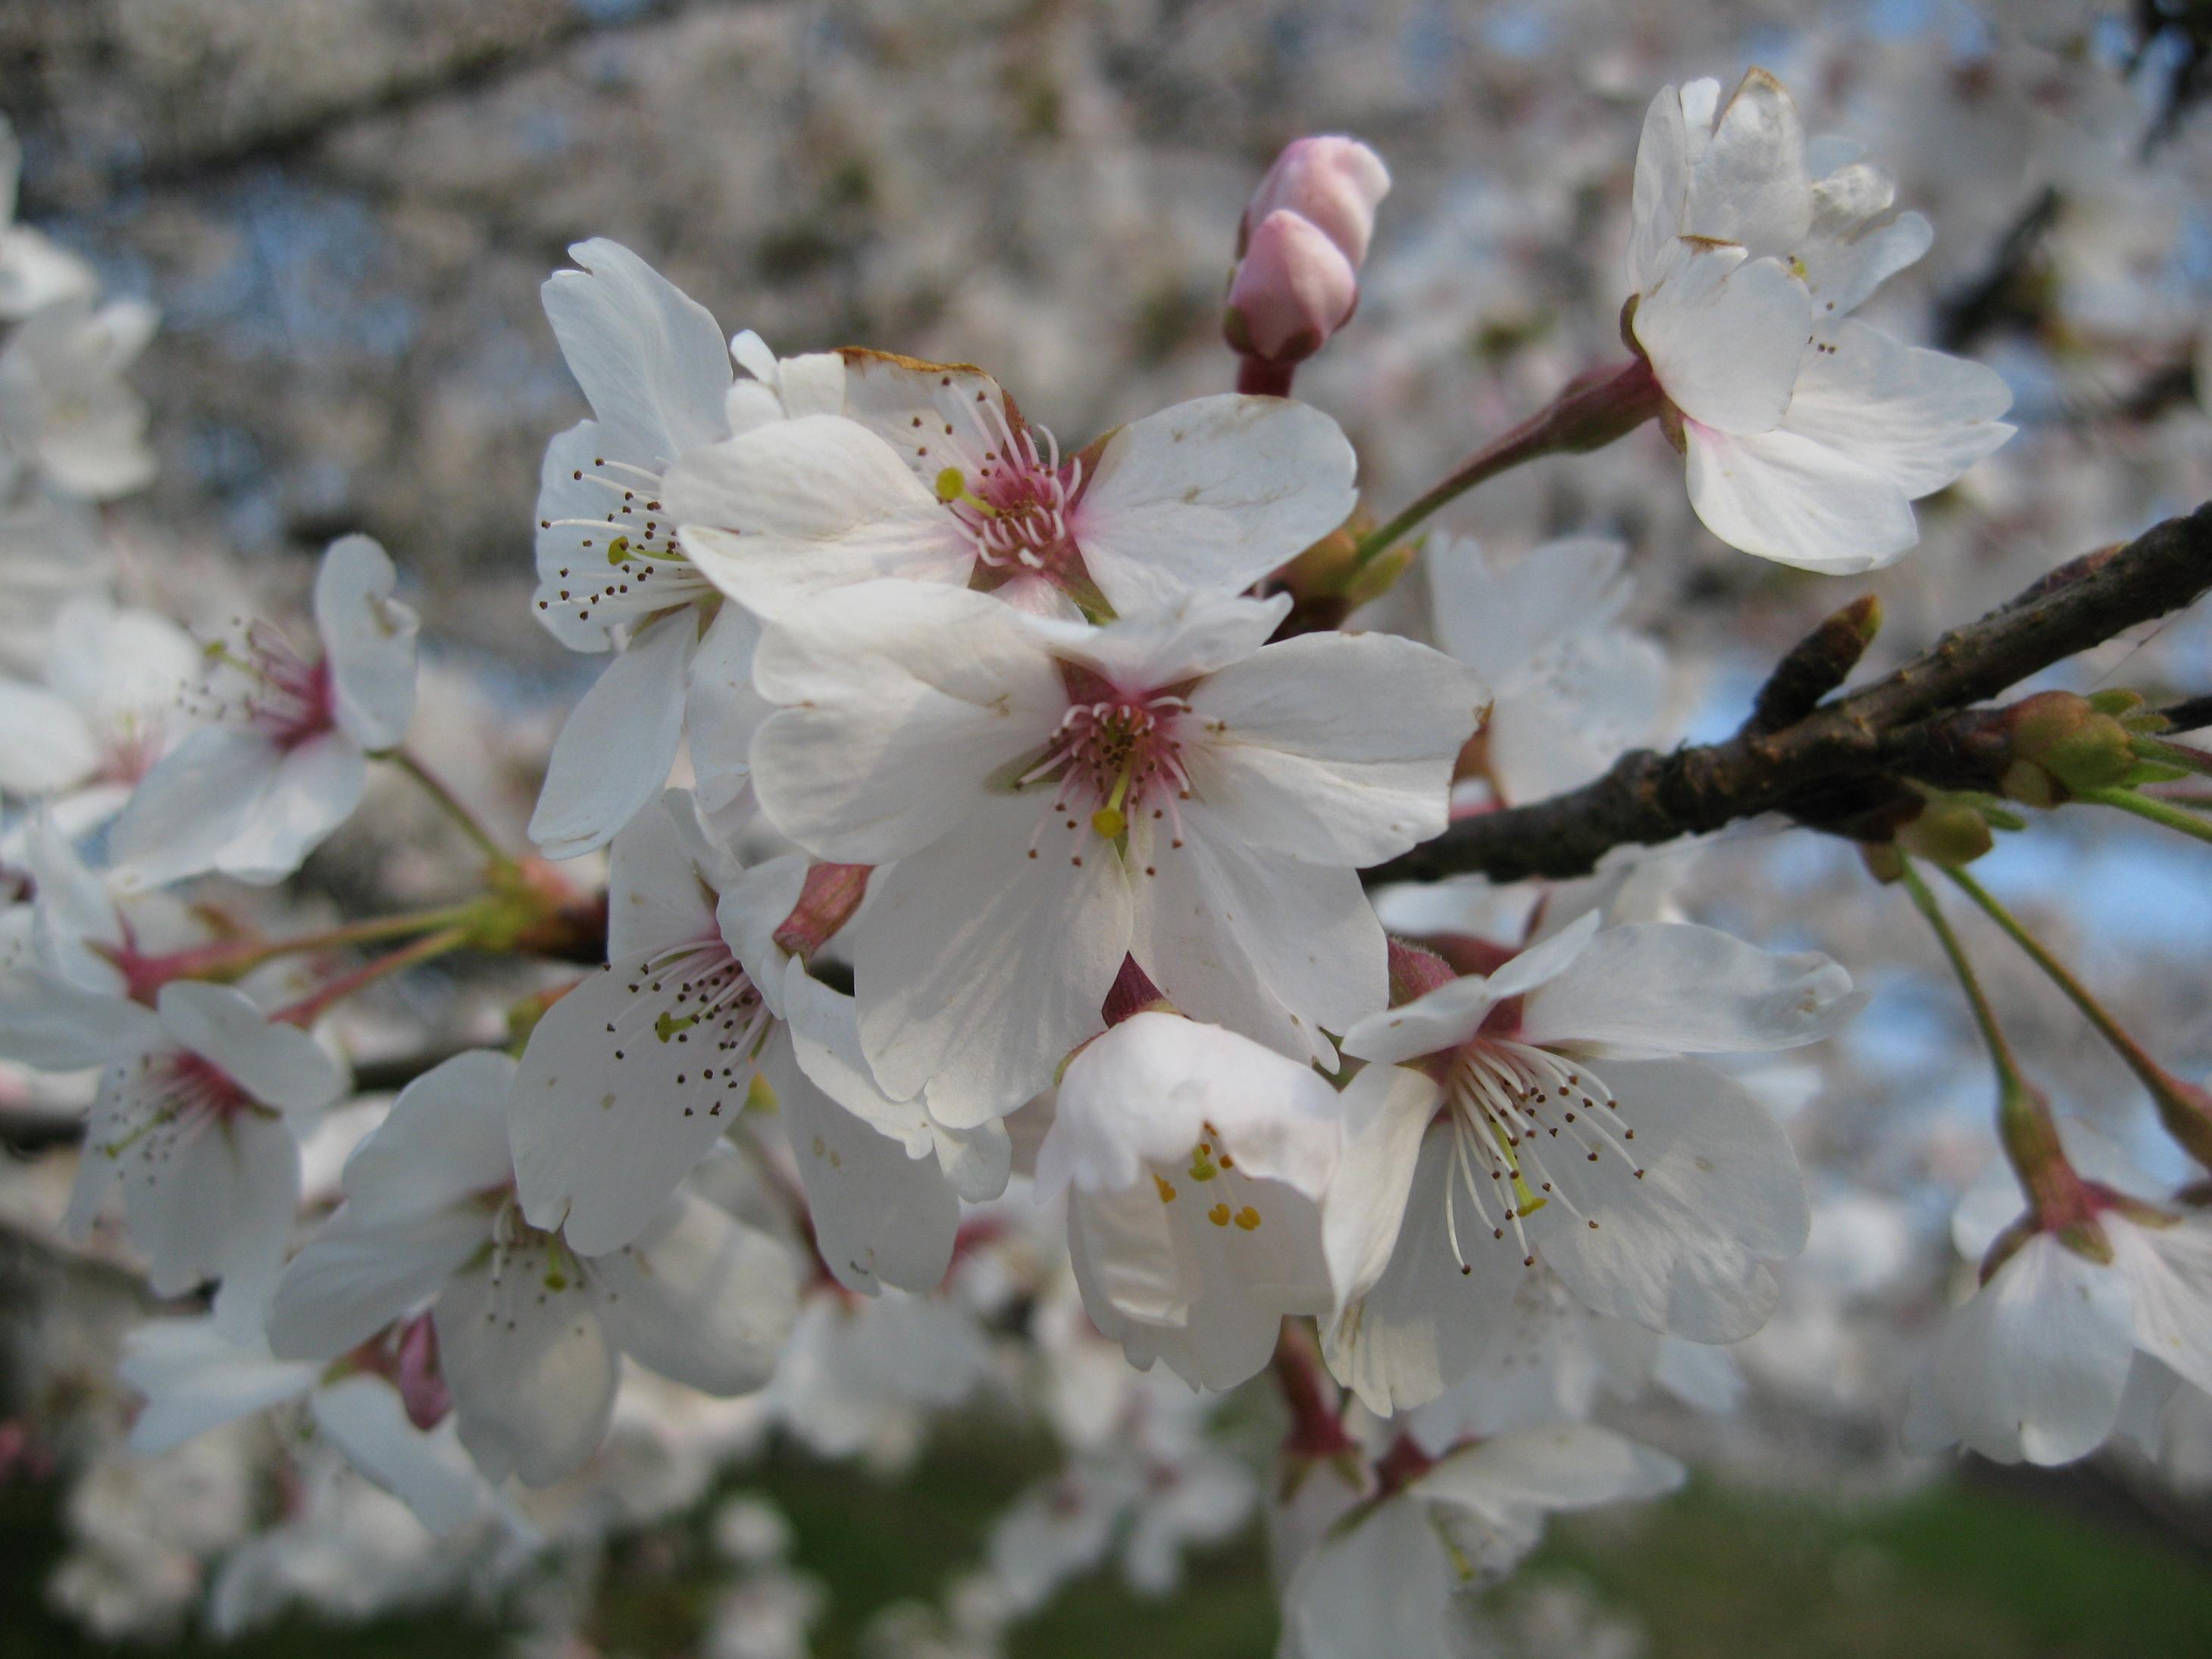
(1660, 188)
(364, 1417)
(46, 745)
(1383, 1585)
(1725, 335)
(721, 709)
(1211, 494)
(1750, 184)
(2169, 1271)
(1682, 1249)
(532, 1370)
(357, 1275)
(656, 896)
(2032, 1366)
(1387, 1110)
(1792, 499)
(1496, 617)
(881, 1215)
(1568, 1466)
(1668, 987)
(198, 801)
(312, 789)
(368, 642)
(1918, 418)
(614, 1104)
(980, 967)
(779, 515)
(443, 1141)
(196, 1378)
(650, 359)
(214, 1202)
(1443, 1019)
(614, 753)
(1147, 1091)
(910, 702)
(700, 1297)
(1332, 748)
(1277, 949)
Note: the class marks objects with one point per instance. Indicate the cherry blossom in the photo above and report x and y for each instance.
(1193, 1160)
(67, 417)
(652, 363)
(529, 1329)
(201, 1132)
(932, 474)
(1548, 1109)
(636, 1075)
(284, 760)
(1808, 434)
(1047, 797)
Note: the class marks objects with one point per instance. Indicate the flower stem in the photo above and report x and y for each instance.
(1595, 409)
(311, 1007)
(2025, 1126)
(2184, 1109)
(471, 826)
(2151, 807)
(1316, 1425)
(227, 959)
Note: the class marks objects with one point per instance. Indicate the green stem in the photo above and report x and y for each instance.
(471, 824)
(2187, 756)
(2151, 807)
(1595, 409)
(311, 1007)
(2025, 1126)
(2182, 1107)
(227, 959)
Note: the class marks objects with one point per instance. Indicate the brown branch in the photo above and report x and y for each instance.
(1839, 766)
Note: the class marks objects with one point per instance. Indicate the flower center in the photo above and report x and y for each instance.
(1015, 506)
(695, 997)
(1235, 1201)
(269, 689)
(1526, 1124)
(177, 1095)
(1115, 757)
(627, 564)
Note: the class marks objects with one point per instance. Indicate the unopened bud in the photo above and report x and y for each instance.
(1299, 247)
(826, 903)
(1415, 972)
(2078, 747)
(422, 1384)
(1948, 831)
(1292, 290)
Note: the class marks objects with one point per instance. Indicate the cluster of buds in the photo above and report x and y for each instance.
(2063, 745)
(1299, 247)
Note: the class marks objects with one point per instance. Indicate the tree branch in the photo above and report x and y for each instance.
(1837, 766)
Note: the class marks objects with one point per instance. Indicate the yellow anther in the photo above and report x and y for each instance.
(1248, 1219)
(1218, 1215)
(1167, 1192)
(1201, 1166)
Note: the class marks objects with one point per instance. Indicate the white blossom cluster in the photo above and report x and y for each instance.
(987, 1009)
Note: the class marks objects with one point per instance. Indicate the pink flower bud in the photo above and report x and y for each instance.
(1292, 290)
(422, 1389)
(1334, 183)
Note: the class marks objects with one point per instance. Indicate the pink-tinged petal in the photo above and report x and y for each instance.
(1792, 499)
(881, 1215)
(1291, 290)
(620, 1093)
(650, 359)
(614, 754)
(1725, 335)
(1671, 987)
(278, 1064)
(1683, 1248)
(368, 642)
(700, 1297)
(980, 967)
(1212, 493)
(1333, 749)
(1337, 183)
(2033, 1366)
(780, 515)
(529, 1365)
(911, 704)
